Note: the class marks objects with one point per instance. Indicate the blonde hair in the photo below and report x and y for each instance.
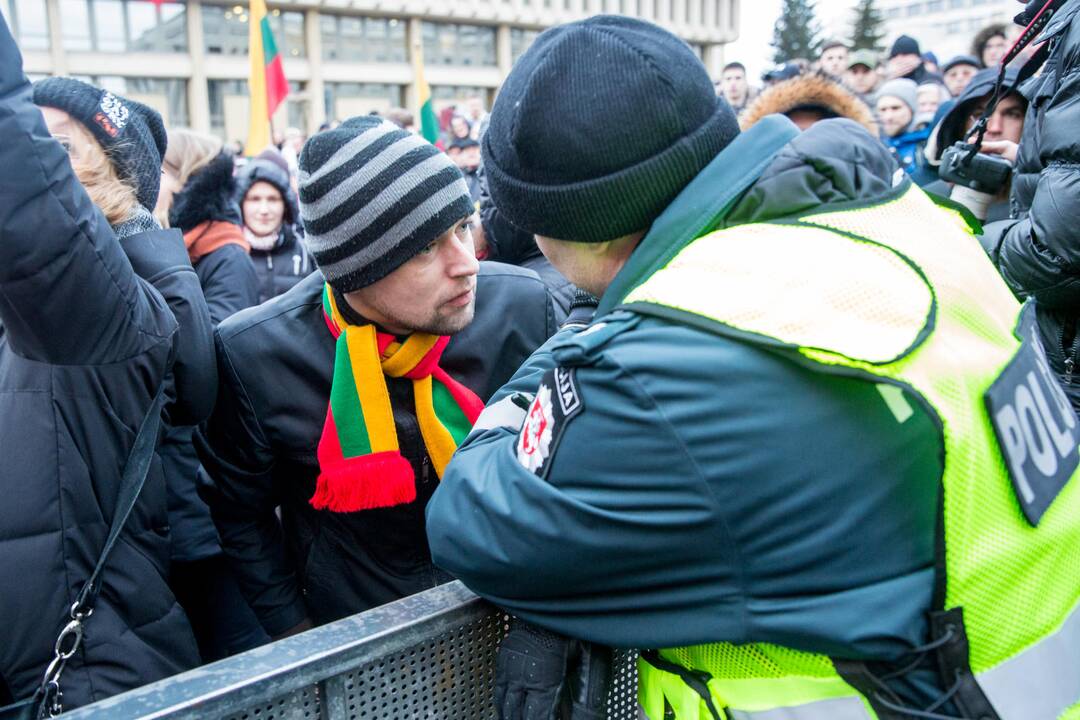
(188, 152)
(115, 197)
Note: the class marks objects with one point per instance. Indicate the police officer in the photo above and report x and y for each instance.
(806, 455)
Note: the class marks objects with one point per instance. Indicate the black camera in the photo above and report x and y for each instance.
(963, 165)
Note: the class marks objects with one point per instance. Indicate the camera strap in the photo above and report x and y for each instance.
(1031, 31)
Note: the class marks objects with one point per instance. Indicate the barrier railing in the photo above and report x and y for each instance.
(430, 656)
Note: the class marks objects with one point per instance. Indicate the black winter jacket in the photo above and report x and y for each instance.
(159, 257)
(84, 345)
(1038, 250)
(288, 262)
(259, 447)
(227, 275)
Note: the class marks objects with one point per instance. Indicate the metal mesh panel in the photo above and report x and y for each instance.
(451, 678)
(448, 677)
(300, 705)
(622, 700)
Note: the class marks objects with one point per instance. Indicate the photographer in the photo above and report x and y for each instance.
(85, 345)
(1003, 130)
(1038, 250)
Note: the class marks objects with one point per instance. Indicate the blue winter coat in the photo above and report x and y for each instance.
(84, 345)
(908, 150)
(709, 489)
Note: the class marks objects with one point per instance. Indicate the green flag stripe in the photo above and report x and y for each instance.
(345, 403)
(269, 46)
(449, 412)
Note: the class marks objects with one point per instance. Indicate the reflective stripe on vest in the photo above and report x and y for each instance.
(900, 292)
(832, 709)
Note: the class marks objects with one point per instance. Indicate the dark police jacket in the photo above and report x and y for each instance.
(84, 345)
(704, 489)
(275, 363)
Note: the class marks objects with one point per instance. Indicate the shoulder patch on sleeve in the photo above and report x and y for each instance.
(558, 401)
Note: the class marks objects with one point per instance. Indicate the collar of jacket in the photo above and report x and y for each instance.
(702, 204)
(915, 136)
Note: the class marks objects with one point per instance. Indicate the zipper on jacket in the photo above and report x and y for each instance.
(1069, 347)
(269, 261)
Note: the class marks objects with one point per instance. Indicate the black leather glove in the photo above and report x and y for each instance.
(531, 673)
(590, 682)
(540, 675)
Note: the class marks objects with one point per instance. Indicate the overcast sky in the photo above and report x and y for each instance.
(759, 17)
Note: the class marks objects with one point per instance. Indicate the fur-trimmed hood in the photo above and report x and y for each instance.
(812, 91)
(208, 195)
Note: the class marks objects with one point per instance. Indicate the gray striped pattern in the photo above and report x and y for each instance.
(382, 203)
(376, 195)
(404, 227)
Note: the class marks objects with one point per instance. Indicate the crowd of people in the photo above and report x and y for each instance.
(742, 381)
(918, 106)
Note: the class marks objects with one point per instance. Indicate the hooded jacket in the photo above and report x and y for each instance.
(206, 213)
(1038, 249)
(288, 262)
(84, 345)
(953, 128)
(276, 363)
(813, 91)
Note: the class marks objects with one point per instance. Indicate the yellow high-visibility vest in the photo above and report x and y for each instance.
(901, 294)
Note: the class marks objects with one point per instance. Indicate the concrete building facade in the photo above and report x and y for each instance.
(341, 57)
(945, 26)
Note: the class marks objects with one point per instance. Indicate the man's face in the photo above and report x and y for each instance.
(994, 50)
(929, 99)
(1006, 122)
(834, 59)
(861, 79)
(894, 115)
(958, 77)
(434, 292)
(263, 208)
(734, 86)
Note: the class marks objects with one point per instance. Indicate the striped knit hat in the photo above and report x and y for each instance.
(372, 196)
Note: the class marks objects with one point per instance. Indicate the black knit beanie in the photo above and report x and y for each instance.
(131, 133)
(904, 45)
(599, 126)
(372, 196)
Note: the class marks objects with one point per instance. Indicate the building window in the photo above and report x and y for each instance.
(954, 27)
(30, 24)
(520, 40)
(345, 100)
(914, 9)
(452, 44)
(225, 31)
(363, 39)
(123, 26)
(230, 109)
(935, 6)
(956, 4)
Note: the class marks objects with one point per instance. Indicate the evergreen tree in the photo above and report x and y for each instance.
(867, 30)
(796, 32)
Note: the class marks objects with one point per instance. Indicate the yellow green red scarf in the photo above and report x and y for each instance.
(360, 463)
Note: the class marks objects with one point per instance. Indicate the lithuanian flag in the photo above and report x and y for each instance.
(429, 122)
(266, 83)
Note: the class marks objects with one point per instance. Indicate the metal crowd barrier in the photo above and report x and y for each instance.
(426, 657)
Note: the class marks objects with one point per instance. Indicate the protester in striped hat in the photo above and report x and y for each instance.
(342, 400)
